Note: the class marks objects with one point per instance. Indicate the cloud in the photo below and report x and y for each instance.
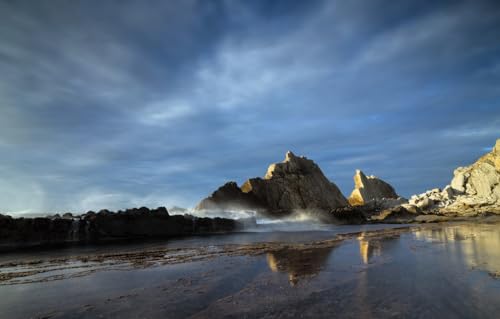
(160, 104)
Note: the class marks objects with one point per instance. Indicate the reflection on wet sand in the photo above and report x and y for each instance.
(475, 245)
(298, 263)
(368, 248)
(372, 244)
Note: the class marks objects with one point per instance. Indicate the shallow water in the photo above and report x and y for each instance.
(445, 271)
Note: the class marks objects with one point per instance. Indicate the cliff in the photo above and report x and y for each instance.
(474, 189)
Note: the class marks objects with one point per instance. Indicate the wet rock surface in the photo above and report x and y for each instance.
(426, 271)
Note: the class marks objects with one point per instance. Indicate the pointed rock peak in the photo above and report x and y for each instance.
(496, 149)
(359, 178)
(291, 165)
(289, 156)
(369, 188)
(359, 173)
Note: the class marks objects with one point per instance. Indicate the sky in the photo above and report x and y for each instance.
(116, 104)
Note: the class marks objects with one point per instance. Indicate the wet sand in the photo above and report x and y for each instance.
(442, 270)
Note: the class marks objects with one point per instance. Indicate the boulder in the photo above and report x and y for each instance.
(369, 188)
(296, 184)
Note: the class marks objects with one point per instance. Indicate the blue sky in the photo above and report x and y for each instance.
(121, 103)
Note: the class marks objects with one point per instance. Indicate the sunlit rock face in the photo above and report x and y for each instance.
(369, 188)
(297, 183)
(474, 189)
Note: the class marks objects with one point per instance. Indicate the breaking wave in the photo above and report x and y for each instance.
(297, 221)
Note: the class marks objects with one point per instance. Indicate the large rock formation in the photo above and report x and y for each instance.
(370, 188)
(474, 189)
(296, 184)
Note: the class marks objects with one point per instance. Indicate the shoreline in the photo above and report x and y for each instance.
(133, 258)
(173, 227)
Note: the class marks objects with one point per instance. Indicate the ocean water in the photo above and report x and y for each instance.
(288, 270)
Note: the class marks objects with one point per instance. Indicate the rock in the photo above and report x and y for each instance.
(229, 197)
(349, 215)
(368, 188)
(413, 209)
(67, 216)
(296, 184)
(135, 223)
(425, 203)
(458, 181)
(474, 189)
(398, 214)
(160, 211)
(431, 218)
(448, 193)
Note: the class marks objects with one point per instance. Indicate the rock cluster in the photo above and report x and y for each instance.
(370, 188)
(474, 189)
(296, 184)
(106, 225)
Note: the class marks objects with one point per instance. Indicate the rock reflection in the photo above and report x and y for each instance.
(371, 245)
(368, 248)
(298, 263)
(476, 246)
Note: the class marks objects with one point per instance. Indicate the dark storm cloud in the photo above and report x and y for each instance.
(114, 104)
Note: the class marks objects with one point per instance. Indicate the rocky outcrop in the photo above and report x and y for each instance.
(474, 189)
(375, 211)
(370, 188)
(296, 184)
(229, 197)
(133, 223)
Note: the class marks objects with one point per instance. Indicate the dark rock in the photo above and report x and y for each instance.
(104, 212)
(67, 215)
(349, 215)
(227, 197)
(160, 210)
(106, 225)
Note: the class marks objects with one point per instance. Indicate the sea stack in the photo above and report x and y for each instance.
(296, 184)
(370, 188)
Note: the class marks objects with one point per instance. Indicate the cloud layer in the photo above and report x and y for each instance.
(118, 105)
